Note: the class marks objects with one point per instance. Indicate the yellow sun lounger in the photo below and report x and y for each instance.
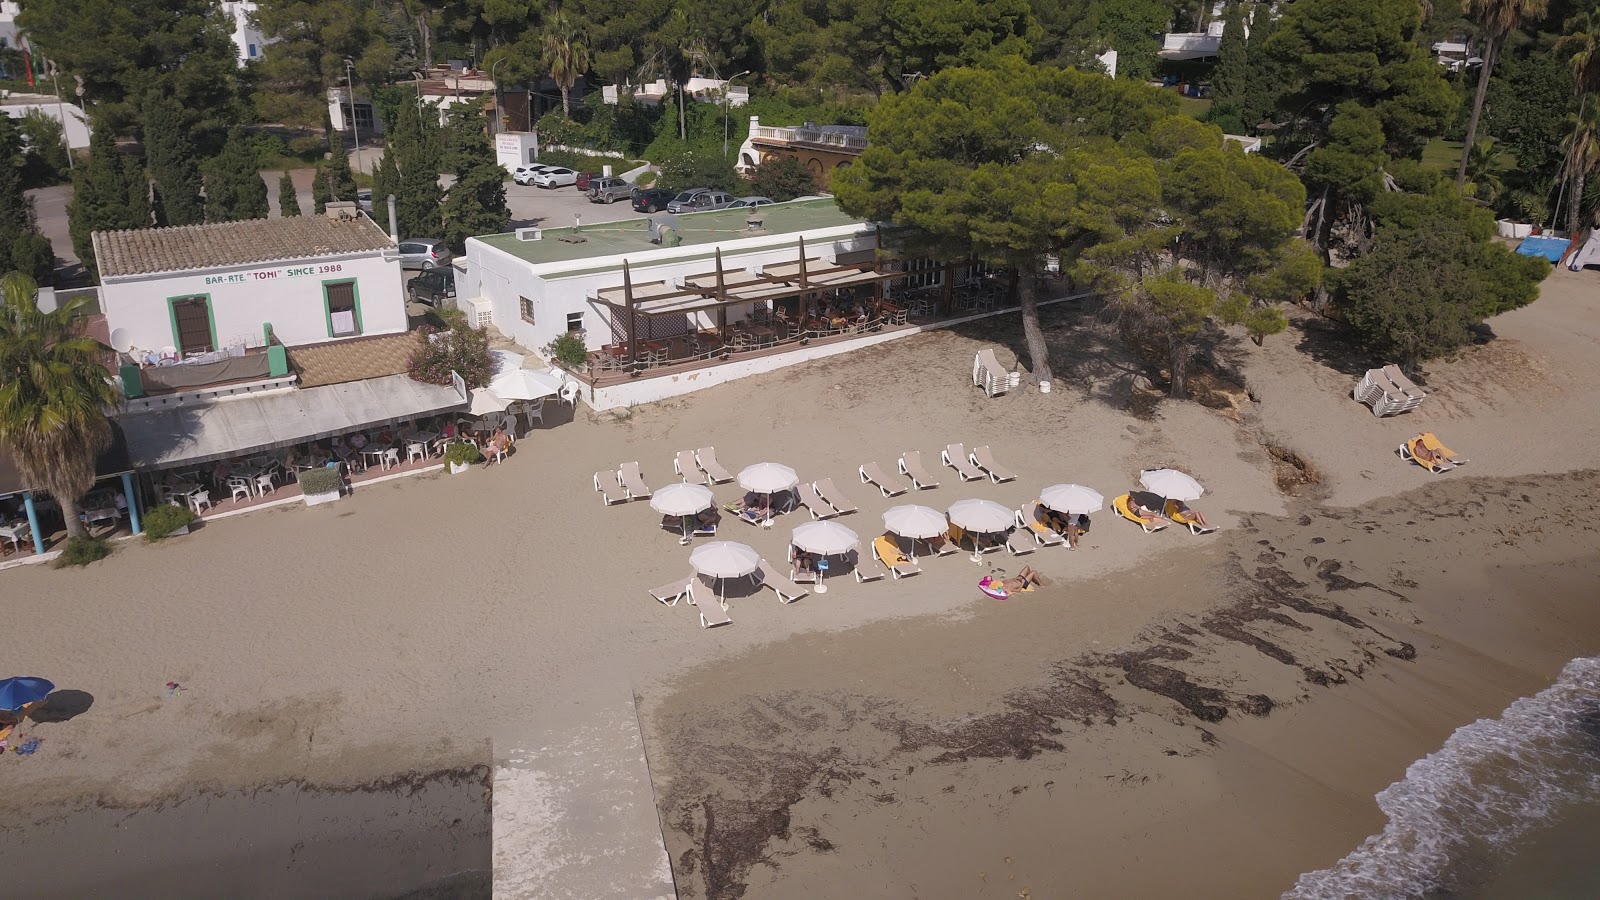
(888, 552)
(1123, 509)
(1447, 457)
(1172, 512)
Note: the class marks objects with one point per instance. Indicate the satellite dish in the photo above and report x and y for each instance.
(121, 341)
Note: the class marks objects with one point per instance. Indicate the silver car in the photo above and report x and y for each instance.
(750, 202)
(424, 253)
(609, 190)
(699, 200)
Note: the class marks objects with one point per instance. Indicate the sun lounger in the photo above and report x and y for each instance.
(707, 458)
(813, 501)
(867, 569)
(834, 497)
(1120, 504)
(988, 374)
(955, 456)
(1388, 391)
(983, 458)
(633, 481)
(886, 551)
(873, 474)
(704, 598)
(1447, 458)
(787, 591)
(911, 464)
(957, 534)
(1172, 512)
(801, 576)
(610, 489)
(1019, 543)
(1028, 517)
(686, 467)
(670, 594)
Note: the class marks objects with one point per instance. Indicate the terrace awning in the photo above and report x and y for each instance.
(112, 462)
(240, 426)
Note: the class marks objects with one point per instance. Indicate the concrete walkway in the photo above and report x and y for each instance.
(574, 812)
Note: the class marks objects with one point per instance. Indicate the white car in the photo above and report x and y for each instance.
(524, 174)
(555, 177)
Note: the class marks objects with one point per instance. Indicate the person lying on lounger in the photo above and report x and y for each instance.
(1149, 516)
(1192, 515)
(803, 561)
(755, 507)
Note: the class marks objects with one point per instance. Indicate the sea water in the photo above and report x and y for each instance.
(1507, 808)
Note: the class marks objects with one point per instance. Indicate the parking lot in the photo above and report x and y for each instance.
(557, 207)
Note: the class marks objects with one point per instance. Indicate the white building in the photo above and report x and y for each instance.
(199, 291)
(705, 90)
(247, 38)
(1198, 44)
(73, 122)
(8, 23)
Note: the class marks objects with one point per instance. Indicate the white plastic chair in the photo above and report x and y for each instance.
(239, 486)
(199, 499)
(534, 412)
(415, 450)
(569, 394)
(391, 458)
(265, 485)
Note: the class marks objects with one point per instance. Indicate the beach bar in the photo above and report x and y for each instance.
(25, 509)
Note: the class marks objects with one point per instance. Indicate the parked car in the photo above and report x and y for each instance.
(700, 201)
(524, 174)
(585, 179)
(555, 177)
(432, 285)
(749, 202)
(364, 200)
(651, 200)
(609, 190)
(423, 253)
(684, 196)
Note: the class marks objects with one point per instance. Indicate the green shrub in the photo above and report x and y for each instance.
(80, 551)
(325, 480)
(163, 520)
(645, 179)
(567, 349)
(462, 453)
(461, 349)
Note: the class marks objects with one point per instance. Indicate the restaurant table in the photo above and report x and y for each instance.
(15, 533)
(427, 439)
(101, 514)
(372, 452)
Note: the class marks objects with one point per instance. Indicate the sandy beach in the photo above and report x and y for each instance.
(1174, 716)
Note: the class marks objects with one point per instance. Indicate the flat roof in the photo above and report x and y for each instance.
(633, 235)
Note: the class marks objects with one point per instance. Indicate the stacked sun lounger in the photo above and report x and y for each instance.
(988, 374)
(1388, 392)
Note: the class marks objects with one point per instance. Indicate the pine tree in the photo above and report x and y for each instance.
(1264, 79)
(22, 247)
(321, 192)
(341, 181)
(234, 188)
(288, 200)
(1230, 79)
(173, 167)
(138, 182)
(476, 205)
(417, 204)
(99, 196)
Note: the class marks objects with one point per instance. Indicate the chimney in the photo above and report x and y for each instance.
(394, 227)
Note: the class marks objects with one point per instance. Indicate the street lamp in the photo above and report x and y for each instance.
(726, 87)
(499, 121)
(418, 77)
(350, 82)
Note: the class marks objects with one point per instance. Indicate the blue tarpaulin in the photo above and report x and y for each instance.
(1550, 248)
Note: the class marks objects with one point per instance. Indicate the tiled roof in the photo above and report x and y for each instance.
(354, 360)
(142, 251)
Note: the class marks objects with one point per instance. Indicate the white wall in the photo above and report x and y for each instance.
(286, 294)
(75, 126)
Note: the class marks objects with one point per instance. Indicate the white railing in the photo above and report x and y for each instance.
(830, 138)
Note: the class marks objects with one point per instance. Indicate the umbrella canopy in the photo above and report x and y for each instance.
(984, 516)
(525, 384)
(485, 401)
(768, 478)
(1171, 484)
(15, 693)
(825, 538)
(1072, 498)
(682, 499)
(725, 559)
(915, 521)
(505, 361)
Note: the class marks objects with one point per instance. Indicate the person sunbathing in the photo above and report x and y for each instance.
(1144, 513)
(1192, 515)
(803, 561)
(754, 507)
(1024, 580)
(1431, 458)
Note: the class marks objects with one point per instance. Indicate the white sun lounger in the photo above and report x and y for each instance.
(831, 495)
(787, 591)
(873, 474)
(1043, 535)
(904, 569)
(707, 458)
(988, 374)
(1388, 391)
(705, 599)
(1019, 544)
(983, 458)
(670, 594)
(911, 464)
(867, 569)
(610, 489)
(813, 501)
(633, 481)
(955, 456)
(687, 468)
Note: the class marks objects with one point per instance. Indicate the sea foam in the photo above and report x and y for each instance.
(1463, 807)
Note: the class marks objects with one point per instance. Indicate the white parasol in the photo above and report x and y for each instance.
(825, 538)
(525, 384)
(1072, 498)
(682, 499)
(915, 521)
(485, 401)
(768, 478)
(984, 516)
(1171, 484)
(505, 361)
(725, 559)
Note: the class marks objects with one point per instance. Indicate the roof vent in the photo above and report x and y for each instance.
(530, 234)
(340, 209)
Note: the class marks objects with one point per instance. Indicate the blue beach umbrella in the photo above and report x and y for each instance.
(15, 693)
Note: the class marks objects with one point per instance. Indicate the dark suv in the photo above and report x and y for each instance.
(649, 200)
(432, 286)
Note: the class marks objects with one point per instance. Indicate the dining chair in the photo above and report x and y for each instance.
(534, 412)
(265, 484)
(239, 486)
(415, 450)
(202, 498)
(391, 458)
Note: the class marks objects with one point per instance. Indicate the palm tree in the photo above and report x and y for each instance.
(1582, 145)
(53, 396)
(1582, 42)
(567, 54)
(1496, 20)
(1483, 166)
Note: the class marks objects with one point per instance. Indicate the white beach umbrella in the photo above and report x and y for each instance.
(725, 559)
(915, 521)
(1171, 484)
(525, 384)
(768, 478)
(825, 538)
(505, 361)
(1072, 498)
(682, 499)
(485, 401)
(984, 516)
